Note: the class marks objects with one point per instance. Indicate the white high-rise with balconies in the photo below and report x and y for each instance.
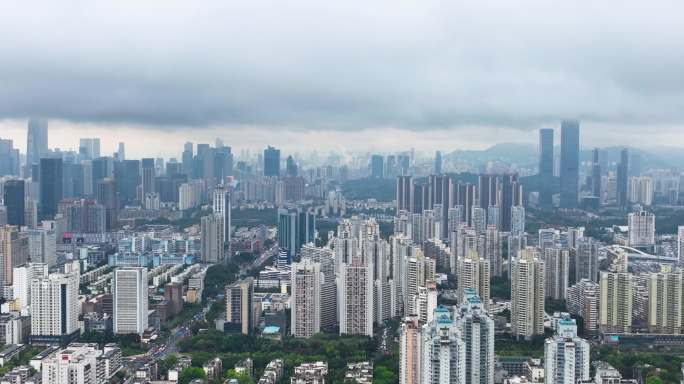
(566, 356)
(641, 229)
(527, 294)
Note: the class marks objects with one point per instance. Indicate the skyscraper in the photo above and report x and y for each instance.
(296, 227)
(527, 294)
(665, 300)
(377, 167)
(545, 168)
(596, 174)
(13, 251)
(443, 350)
(641, 229)
(36, 142)
(107, 197)
(355, 302)
(306, 298)
(511, 196)
(478, 334)
(586, 260)
(14, 201)
(474, 275)
(239, 307)
(148, 173)
(566, 356)
(50, 186)
(222, 207)
(569, 164)
(404, 193)
(622, 179)
(212, 238)
(557, 264)
(411, 352)
(89, 148)
(616, 302)
(438, 162)
(271, 161)
(130, 300)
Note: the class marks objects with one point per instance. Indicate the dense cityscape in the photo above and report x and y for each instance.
(557, 264)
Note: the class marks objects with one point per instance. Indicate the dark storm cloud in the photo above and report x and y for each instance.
(343, 65)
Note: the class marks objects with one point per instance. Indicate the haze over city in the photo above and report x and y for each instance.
(431, 192)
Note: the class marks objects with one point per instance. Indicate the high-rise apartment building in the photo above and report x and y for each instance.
(478, 335)
(239, 307)
(665, 300)
(616, 302)
(404, 192)
(474, 274)
(566, 356)
(586, 260)
(14, 250)
(411, 354)
(443, 350)
(377, 167)
(583, 301)
(622, 179)
(55, 308)
(641, 229)
(569, 164)
(355, 302)
(223, 208)
(557, 264)
(212, 238)
(527, 294)
(130, 300)
(306, 298)
(596, 174)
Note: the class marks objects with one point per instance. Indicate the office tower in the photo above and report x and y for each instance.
(596, 174)
(130, 301)
(212, 238)
(239, 307)
(518, 220)
(586, 260)
(443, 350)
(377, 167)
(566, 356)
(511, 196)
(291, 167)
(187, 159)
(328, 291)
(616, 302)
(10, 160)
(479, 219)
(404, 193)
(545, 178)
(271, 162)
(13, 252)
(3, 215)
(107, 197)
(42, 244)
(148, 173)
(665, 301)
(306, 299)
(569, 164)
(89, 148)
(296, 227)
(54, 308)
(14, 201)
(527, 294)
(223, 208)
(557, 263)
(121, 152)
(21, 283)
(130, 181)
(474, 274)
(680, 244)
(410, 351)
(355, 302)
(103, 167)
(478, 334)
(641, 229)
(50, 186)
(622, 177)
(438, 162)
(36, 142)
(87, 177)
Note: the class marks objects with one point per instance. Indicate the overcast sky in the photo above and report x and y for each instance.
(367, 75)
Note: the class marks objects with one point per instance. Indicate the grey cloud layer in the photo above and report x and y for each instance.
(313, 64)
